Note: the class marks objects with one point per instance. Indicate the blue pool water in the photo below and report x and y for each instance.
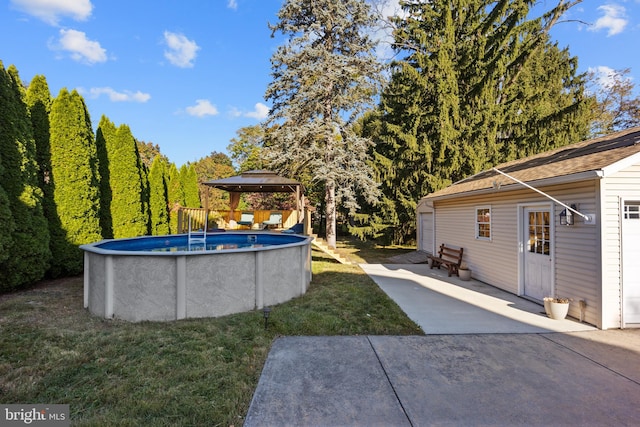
(214, 242)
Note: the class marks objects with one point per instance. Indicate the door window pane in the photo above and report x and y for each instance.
(539, 232)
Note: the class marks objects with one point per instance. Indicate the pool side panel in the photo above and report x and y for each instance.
(181, 287)
(220, 284)
(259, 279)
(144, 288)
(85, 279)
(97, 275)
(281, 275)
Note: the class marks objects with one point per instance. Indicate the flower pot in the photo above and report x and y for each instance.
(464, 274)
(558, 310)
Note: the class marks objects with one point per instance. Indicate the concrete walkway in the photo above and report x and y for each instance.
(532, 373)
(448, 305)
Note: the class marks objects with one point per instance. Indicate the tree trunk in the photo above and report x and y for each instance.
(330, 214)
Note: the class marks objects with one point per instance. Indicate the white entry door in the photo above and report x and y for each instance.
(630, 264)
(537, 252)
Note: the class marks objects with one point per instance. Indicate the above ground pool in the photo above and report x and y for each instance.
(176, 277)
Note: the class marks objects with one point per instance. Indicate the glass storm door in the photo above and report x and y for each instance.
(537, 253)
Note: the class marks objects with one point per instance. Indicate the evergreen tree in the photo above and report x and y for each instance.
(189, 183)
(39, 103)
(74, 170)
(175, 195)
(106, 132)
(24, 243)
(158, 202)
(129, 215)
(323, 79)
(480, 84)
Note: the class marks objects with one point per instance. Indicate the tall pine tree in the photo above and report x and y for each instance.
(480, 83)
(25, 249)
(74, 171)
(323, 78)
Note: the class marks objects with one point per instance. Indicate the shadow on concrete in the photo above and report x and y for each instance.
(448, 305)
(454, 380)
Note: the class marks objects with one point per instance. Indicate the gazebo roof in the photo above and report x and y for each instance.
(256, 181)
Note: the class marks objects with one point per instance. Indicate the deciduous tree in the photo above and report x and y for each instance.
(616, 108)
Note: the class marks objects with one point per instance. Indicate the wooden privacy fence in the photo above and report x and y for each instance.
(222, 219)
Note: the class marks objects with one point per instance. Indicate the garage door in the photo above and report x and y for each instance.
(630, 264)
(426, 224)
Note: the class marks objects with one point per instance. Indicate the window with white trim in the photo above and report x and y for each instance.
(632, 210)
(483, 222)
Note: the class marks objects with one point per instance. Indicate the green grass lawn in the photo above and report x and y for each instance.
(188, 372)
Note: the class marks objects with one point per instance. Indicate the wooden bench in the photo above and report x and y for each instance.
(448, 257)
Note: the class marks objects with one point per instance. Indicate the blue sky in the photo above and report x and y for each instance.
(187, 75)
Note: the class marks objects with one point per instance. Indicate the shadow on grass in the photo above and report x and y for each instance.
(369, 252)
(188, 372)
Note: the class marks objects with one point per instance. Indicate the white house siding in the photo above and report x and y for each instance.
(623, 185)
(492, 261)
(496, 261)
(577, 250)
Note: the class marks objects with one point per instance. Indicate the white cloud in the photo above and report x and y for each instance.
(81, 48)
(51, 11)
(614, 19)
(234, 112)
(115, 96)
(182, 51)
(606, 77)
(202, 108)
(260, 112)
(232, 4)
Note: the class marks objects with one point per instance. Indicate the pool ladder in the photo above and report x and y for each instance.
(198, 237)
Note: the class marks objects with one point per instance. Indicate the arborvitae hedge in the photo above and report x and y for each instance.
(127, 208)
(189, 183)
(175, 194)
(39, 103)
(106, 130)
(158, 202)
(26, 245)
(74, 170)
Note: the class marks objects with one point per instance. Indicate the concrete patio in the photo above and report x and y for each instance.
(489, 358)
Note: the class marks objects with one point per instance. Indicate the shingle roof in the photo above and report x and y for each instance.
(586, 156)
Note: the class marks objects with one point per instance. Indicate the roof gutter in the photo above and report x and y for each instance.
(586, 217)
(558, 180)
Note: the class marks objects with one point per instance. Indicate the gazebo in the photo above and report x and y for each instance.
(260, 181)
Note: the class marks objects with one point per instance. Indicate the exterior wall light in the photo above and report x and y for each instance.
(566, 216)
